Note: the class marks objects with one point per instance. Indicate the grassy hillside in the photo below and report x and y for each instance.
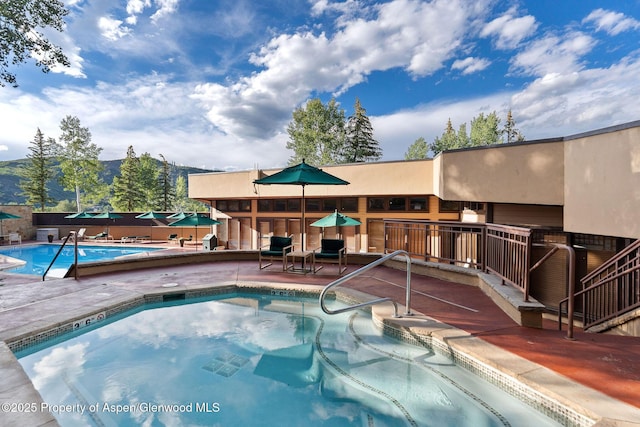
(11, 193)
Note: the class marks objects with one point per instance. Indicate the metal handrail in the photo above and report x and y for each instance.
(75, 254)
(361, 270)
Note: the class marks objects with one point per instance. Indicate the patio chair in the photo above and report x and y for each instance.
(277, 249)
(15, 237)
(173, 238)
(331, 251)
(98, 236)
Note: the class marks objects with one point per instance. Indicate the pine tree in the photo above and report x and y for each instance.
(360, 146)
(510, 131)
(128, 194)
(79, 161)
(39, 171)
(167, 192)
(448, 140)
(148, 175)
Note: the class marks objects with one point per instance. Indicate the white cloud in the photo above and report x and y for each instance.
(613, 23)
(470, 65)
(553, 54)
(416, 36)
(166, 8)
(510, 30)
(112, 29)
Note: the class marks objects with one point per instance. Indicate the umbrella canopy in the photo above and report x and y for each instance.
(178, 215)
(151, 215)
(6, 215)
(80, 215)
(301, 174)
(194, 220)
(107, 215)
(336, 219)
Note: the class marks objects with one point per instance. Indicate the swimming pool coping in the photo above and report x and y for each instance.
(555, 395)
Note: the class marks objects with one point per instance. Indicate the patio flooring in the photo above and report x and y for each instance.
(608, 364)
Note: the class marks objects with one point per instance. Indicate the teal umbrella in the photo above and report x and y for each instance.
(336, 219)
(301, 174)
(152, 215)
(80, 215)
(194, 220)
(6, 215)
(107, 215)
(178, 215)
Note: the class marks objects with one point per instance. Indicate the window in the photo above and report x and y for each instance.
(279, 205)
(329, 205)
(234, 205)
(397, 204)
(312, 205)
(349, 204)
(418, 204)
(293, 205)
(264, 205)
(375, 204)
(449, 206)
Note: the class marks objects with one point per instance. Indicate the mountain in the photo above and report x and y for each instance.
(11, 193)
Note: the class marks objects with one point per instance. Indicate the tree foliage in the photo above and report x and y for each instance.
(128, 194)
(360, 146)
(39, 171)
(418, 150)
(79, 162)
(484, 130)
(510, 132)
(316, 133)
(21, 37)
(167, 191)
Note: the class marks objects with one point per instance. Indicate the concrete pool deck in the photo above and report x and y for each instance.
(597, 376)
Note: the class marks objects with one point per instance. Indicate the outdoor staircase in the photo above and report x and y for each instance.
(610, 295)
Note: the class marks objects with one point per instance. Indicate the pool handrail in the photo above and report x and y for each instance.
(361, 270)
(72, 233)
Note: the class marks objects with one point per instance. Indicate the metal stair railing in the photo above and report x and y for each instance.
(72, 234)
(358, 272)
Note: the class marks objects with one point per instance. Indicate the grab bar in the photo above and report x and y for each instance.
(75, 254)
(361, 270)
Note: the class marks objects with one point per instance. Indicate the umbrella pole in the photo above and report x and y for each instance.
(302, 225)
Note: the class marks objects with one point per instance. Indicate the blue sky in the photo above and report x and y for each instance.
(213, 84)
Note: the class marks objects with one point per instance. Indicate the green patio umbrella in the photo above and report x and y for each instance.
(194, 220)
(178, 215)
(152, 215)
(80, 215)
(336, 219)
(301, 174)
(107, 215)
(6, 215)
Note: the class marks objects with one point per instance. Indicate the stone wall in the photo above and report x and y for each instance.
(22, 225)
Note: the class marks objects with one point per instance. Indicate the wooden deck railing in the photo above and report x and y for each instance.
(439, 241)
(612, 289)
(509, 255)
(502, 250)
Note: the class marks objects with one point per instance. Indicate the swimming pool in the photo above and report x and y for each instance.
(258, 360)
(38, 257)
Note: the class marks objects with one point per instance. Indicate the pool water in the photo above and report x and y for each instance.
(38, 257)
(252, 360)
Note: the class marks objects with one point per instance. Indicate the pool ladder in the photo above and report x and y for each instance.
(72, 234)
(361, 270)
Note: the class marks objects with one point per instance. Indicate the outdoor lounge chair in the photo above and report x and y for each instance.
(173, 238)
(100, 236)
(15, 237)
(278, 249)
(331, 251)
